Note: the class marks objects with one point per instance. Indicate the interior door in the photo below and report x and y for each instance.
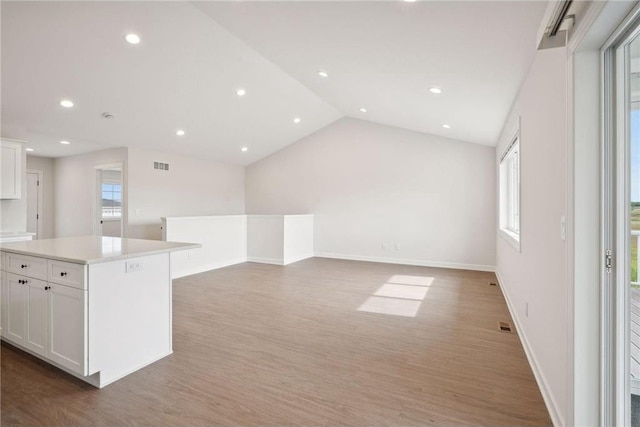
(33, 202)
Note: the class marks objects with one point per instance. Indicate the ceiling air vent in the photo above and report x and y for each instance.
(161, 166)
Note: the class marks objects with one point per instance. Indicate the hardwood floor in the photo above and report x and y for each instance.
(258, 344)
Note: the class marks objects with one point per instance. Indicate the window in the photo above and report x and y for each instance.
(510, 193)
(111, 201)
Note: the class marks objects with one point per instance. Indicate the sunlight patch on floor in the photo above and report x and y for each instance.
(400, 296)
(392, 290)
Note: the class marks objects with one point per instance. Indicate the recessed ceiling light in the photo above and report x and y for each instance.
(180, 132)
(66, 103)
(65, 142)
(435, 90)
(241, 92)
(244, 148)
(446, 126)
(29, 149)
(297, 120)
(323, 73)
(364, 110)
(132, 38)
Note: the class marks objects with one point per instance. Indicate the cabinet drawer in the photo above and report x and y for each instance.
(26, 265)
(67, 273)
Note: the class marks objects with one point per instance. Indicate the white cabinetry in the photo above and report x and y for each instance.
(46, 317)
(35, 338)
(98, 308)
(10, 169)
(16, 308)
(67, 320)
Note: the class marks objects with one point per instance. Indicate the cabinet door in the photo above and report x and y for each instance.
(16, 309)
(37, 316)
(68, 327)
(10, 169)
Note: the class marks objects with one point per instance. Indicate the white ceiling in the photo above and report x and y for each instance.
(193, 56)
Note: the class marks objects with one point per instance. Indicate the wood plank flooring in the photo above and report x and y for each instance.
(265, 345)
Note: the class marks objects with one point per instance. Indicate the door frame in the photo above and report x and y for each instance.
(40, 174)
(97, 197)
(615, 218)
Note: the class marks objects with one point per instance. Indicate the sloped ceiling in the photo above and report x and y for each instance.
(192, 58)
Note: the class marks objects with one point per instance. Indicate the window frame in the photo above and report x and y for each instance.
(510, 194)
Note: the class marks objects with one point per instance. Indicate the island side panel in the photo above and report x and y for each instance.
(129, 315)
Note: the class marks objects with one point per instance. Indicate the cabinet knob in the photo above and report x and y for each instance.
(23, 266)
(20, 281)
(23, 282)
(46, 288)
(63, 273)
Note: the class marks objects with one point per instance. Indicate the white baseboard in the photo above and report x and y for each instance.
(297, 258)
(418, 262)
(274, 261)
(176, 274)
(549, 400)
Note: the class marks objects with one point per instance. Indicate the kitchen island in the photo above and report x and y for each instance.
(96, 307)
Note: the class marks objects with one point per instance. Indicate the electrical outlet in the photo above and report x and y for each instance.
(133, 266)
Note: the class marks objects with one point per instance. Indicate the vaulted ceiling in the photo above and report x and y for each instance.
(192, 59)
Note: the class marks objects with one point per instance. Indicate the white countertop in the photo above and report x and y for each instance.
(15, 234)
(93, 249)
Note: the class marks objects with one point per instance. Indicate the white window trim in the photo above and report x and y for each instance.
(510, 236)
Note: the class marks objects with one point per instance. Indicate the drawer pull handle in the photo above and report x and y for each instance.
(63, 273)
(24, 266)
(46, 288)
(23, 282)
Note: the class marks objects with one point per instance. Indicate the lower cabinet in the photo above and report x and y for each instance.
(35, 338)
(47, 318)
(67, 327)
(15, 328)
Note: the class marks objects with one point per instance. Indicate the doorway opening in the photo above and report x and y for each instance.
(34, 203)
(110, 200)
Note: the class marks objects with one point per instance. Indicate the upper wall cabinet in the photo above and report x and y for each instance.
(10, 169)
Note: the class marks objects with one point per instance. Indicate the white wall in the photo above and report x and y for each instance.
(47, 166)
(298, 238)
(75, 190)
(13, 212)
(191, 187)
(537, 275)
(369, 185)
(223, 241)
(265, 239)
